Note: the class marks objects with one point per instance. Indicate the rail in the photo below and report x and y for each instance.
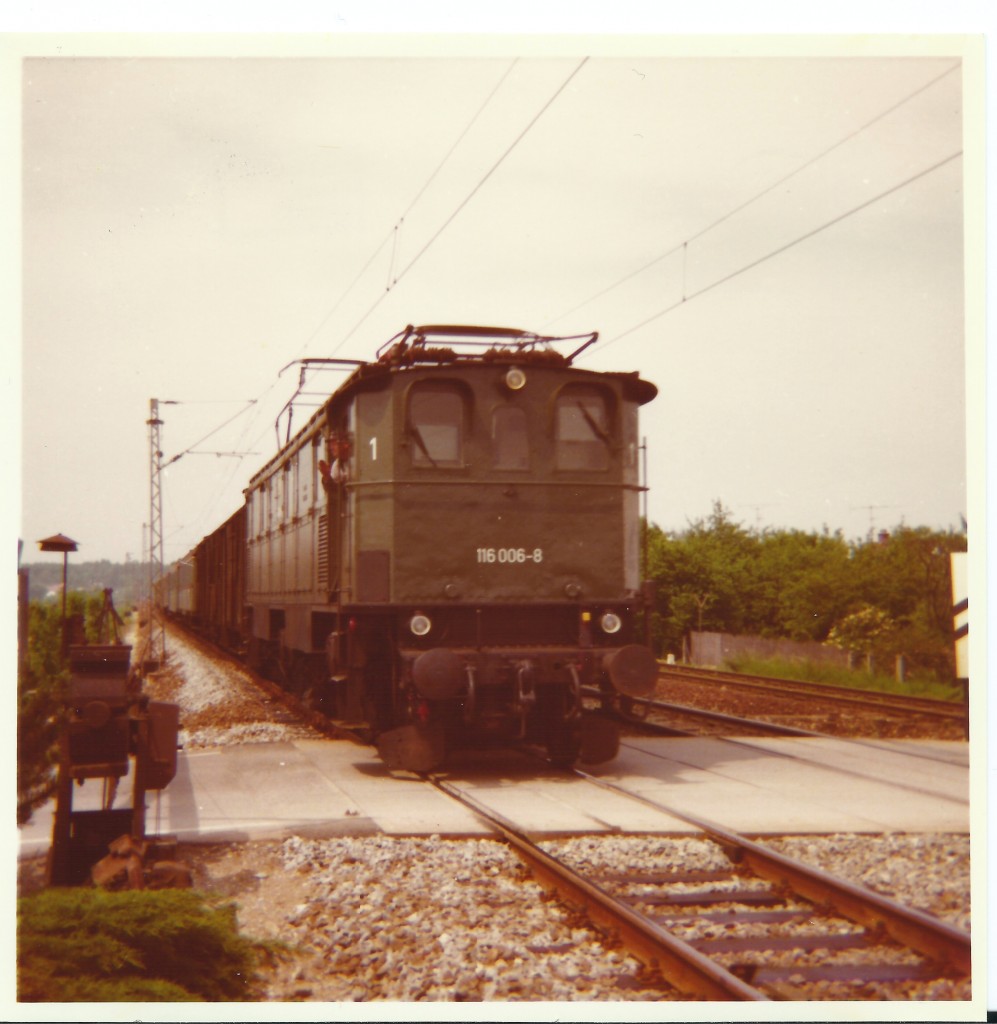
(691, 965)
(823, 691)
(908, 926)
(682, 964)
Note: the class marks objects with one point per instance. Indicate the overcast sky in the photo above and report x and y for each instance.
(190, 226)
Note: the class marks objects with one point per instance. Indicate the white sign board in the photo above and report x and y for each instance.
(960, 612)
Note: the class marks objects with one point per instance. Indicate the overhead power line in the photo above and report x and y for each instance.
(392, 235)
(783, 248)
(459, 140)
(418, 256)
(758, 195)
(519, 138)
(363, 270)
(190, 450)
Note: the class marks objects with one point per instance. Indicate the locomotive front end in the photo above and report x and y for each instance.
(510, 552)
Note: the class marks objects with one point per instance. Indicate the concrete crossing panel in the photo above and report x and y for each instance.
(331, 787)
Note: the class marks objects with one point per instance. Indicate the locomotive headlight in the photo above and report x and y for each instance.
(611, 622)
(420, 624)
(515, 379)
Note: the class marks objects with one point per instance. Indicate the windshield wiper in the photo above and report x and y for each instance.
(415, 432)
(594, 427)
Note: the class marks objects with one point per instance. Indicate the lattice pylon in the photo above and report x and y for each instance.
(156, 650)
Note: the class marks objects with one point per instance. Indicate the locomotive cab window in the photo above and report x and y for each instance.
(435, 427)
(582, 430)
(510, 438)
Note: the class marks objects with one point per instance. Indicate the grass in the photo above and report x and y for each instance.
(834, 675)
(88, 945)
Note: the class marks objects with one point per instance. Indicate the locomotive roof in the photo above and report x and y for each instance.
(497, 343)
(456, 345)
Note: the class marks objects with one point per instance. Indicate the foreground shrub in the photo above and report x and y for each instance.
(87, 945)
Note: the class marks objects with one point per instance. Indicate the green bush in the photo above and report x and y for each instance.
(890, 596)
(41, 690)
(88, 945)
(39, 718)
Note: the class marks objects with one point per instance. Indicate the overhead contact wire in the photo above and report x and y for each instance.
(392, 281)
(784, 248)
(460, 139)
(466, 200)
(393, 234)
(519, 138)
(190, 450)
(342, 297)
(759, 195)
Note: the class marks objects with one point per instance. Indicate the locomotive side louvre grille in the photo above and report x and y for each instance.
(323, 552)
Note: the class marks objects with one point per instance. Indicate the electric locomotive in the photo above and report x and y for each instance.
(448, 550)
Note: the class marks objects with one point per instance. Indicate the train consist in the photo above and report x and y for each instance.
(448, 550)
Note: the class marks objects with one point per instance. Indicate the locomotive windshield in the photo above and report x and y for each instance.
(436, 421)
(583, 440)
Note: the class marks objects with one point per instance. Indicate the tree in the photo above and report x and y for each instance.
(702, 575)
(715, 575)
(908, 577)
(868, 631)
(41, 686)
(41, 694)
(806, 582)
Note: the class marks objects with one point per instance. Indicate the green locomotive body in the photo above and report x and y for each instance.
(449, 548)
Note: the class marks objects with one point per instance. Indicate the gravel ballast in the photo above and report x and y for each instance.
(416, 919)
(429, 919)
(383, 918)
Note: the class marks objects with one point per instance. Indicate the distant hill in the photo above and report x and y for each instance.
(129, 581)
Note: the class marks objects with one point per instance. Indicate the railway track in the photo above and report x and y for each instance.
(865, 699)
(700, 720)
(760, 926)
(661, 718)
(747, 925)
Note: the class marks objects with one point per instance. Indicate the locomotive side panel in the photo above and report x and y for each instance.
(630, 533)
(370, 510)
(285, 518)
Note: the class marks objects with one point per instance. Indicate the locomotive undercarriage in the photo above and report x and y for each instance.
(418, 702)
(456, 697)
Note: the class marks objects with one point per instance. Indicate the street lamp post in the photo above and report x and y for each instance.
(60, 542)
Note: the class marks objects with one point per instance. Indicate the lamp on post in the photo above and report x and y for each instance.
(62, 543)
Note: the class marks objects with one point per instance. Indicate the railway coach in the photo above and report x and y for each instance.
(174, 590)
(449, 548)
